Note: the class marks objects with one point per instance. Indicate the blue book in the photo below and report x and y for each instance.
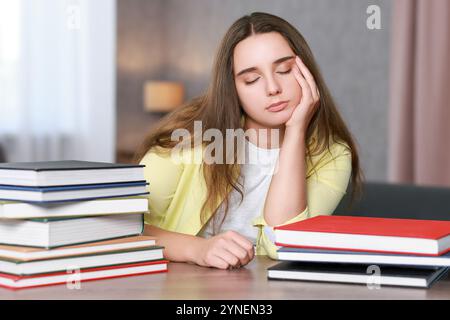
(72, 192)
(353, 257)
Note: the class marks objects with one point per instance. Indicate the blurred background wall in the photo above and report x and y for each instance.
(57, 80)
(177, 39)
(72, 74)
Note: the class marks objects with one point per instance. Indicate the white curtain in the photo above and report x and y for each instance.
(57, 79)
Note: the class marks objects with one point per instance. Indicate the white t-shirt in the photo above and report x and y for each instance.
(256, 175)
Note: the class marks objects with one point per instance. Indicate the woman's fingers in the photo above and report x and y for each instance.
(306, 90)
(309, 78)
(227, 256)
(239, 252)
(229, 250)
(218, 262)
(243, 242)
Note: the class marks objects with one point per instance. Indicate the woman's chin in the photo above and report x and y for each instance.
(276, 122)
(279, 118)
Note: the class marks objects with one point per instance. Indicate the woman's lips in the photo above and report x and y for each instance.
(278, 107)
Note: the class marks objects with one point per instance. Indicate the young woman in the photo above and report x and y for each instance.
(264, 80)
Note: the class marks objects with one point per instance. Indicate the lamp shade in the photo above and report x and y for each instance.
(162, 96)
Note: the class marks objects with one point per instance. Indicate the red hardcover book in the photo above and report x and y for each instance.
(403, 236)
(70, 278)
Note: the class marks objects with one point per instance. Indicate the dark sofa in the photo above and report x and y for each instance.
(399, 201)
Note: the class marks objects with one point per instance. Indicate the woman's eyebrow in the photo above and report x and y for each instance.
(278, 61)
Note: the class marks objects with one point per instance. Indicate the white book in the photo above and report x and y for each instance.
(318, 255)
(71, 279)
(49, 233)
(106, 206)
(23, 268)
(21, 253)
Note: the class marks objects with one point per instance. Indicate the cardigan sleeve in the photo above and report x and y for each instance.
(163, 175)
(326, 185)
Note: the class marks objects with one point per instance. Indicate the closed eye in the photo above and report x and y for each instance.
(280, 72)
(285, 72)
(248, 83)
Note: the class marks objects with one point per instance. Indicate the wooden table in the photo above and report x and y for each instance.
(185, 281)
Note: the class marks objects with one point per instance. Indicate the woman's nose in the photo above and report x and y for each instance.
(273, 87)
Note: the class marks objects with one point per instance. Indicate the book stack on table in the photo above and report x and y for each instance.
(64, 222)
(363, 250)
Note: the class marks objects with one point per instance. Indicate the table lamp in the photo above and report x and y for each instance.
(162, 96)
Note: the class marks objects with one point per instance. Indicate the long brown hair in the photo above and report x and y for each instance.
(219, 108)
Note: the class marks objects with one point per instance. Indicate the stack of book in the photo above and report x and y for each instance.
(364, 250)
(73, 221)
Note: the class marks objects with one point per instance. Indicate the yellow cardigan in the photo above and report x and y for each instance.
(178, 190)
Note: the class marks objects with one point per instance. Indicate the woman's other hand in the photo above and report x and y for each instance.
(225, 251)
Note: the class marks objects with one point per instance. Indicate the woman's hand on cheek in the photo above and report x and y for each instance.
(304, 111)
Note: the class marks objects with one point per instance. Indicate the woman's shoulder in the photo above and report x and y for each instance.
(171, 156)
(155, 153)
(336, 152)
(339, 148)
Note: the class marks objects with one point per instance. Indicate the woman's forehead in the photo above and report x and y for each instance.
(260, 49)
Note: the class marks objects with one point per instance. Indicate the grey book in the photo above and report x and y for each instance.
(422, 277)
(68, 172)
